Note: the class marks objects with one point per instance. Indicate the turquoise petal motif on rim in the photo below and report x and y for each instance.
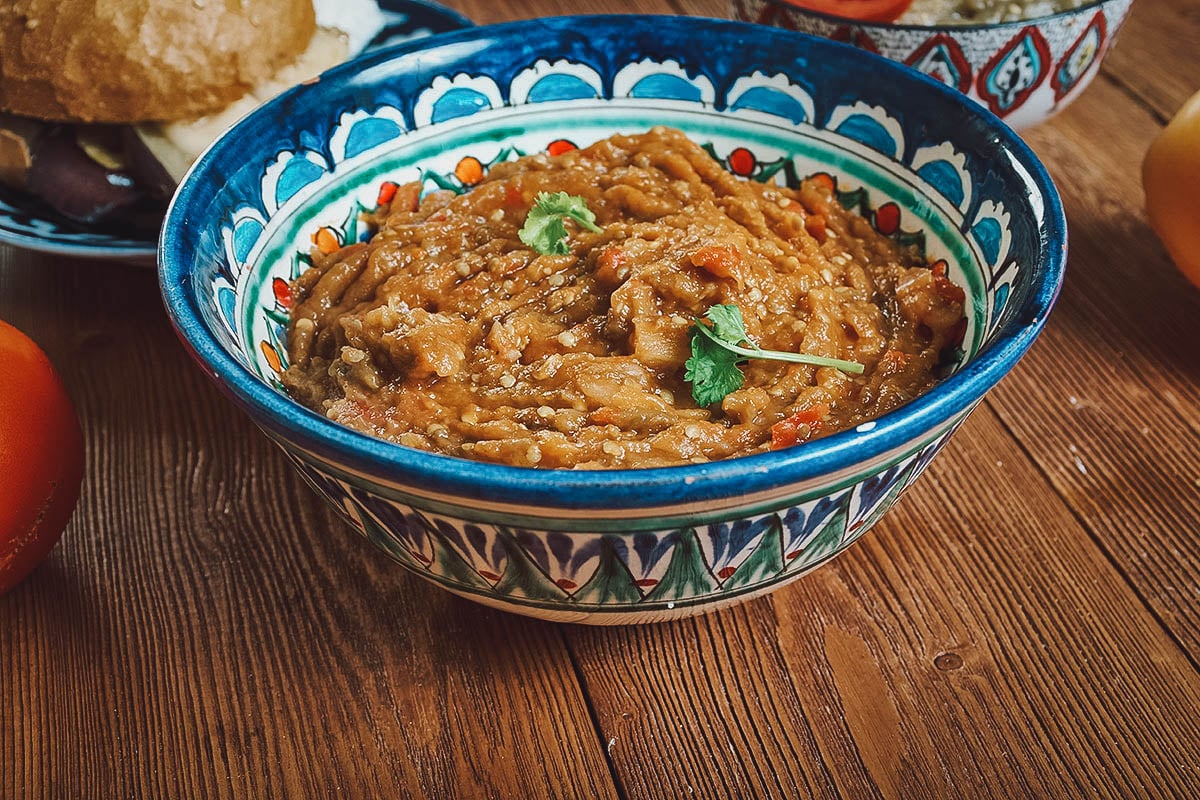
(245, 235)
(227, 301)
(666, 87)
(771, 101)
(946, 178)
(802, 523)
(560, 87)
(521, 577)
(866, 130)
(1001, 299)
(298, 173)
(988, 233)
(459, 102)
(369, 133)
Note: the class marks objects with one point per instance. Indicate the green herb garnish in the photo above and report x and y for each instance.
(717, 349)
(545, 230)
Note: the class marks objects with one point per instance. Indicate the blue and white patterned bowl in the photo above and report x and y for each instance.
(633, 545)
(1023, 71)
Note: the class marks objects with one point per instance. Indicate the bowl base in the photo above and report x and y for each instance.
(630, 615)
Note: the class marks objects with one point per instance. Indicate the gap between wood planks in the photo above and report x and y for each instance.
(605, 745)
(1136, 97)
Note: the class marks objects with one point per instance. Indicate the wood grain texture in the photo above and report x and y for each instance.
(1108, 402)
(976, 644)
(1023, 625)
(703, 8)
(489, 11)
(1157, 55)
(206, 628)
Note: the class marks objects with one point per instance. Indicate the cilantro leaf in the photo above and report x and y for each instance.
(727, 323)
(545, 230)
(717, 349)
(712, 370)
(545, 233)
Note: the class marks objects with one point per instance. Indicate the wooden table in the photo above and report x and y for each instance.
(1026, 623)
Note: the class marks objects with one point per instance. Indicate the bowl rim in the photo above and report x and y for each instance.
(621, 490)
(970, 26)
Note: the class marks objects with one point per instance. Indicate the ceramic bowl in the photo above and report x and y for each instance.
(610, 546)
(1023, 71)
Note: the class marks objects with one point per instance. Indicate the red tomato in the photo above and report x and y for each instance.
(798, 427)
(863, 10)
(41, 456)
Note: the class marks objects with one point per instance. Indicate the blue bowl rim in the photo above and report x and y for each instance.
(611, 490)
(971, 26)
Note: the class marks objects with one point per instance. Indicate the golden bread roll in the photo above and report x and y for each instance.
(136, 60)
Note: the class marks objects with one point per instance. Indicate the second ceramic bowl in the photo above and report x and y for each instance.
(1023, 71)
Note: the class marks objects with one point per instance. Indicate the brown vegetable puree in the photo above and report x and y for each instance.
(445, 332)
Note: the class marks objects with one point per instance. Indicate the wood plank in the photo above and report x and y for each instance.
(1108, 402)
(485, 12)
(703, 8)
(206, 628)
(976, 644)
(702, 708)
(1157, 54)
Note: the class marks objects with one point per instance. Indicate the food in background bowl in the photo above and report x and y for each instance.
(462, 328)
(1023, 61)
(938, 12)
(919, 163)
(981, 12)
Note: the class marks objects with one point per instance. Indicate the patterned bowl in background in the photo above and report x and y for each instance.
(1023, 71)
(610, 546)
